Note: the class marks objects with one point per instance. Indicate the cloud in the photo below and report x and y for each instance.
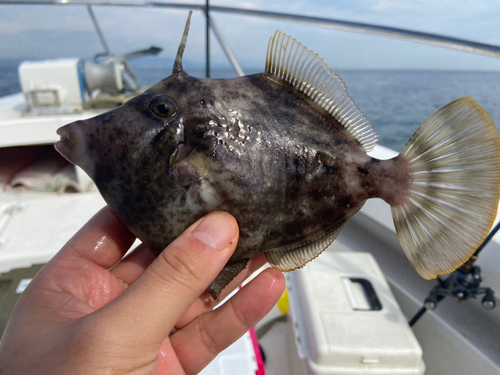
(48, 31)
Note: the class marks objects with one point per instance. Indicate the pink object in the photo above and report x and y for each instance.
(261, 367)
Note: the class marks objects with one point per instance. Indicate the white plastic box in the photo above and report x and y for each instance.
(53, 86)
(238, 359)
(341, 327)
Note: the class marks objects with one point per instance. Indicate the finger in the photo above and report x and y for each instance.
(206, 303)
(134, 264)
(157, 300)
(202, 340)
(103, 240)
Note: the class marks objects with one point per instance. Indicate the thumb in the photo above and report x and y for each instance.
(153, 304)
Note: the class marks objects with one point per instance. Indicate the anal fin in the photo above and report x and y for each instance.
(296, 256)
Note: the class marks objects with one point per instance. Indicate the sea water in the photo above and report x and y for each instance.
(395, 102)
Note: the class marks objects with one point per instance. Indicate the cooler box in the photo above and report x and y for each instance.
(346, 320)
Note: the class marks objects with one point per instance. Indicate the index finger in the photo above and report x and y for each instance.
(104, 239)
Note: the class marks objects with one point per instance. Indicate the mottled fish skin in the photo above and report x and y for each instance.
(286, 171)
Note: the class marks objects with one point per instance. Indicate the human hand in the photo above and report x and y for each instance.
(88, 312)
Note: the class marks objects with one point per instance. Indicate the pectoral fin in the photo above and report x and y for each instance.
(190, 169)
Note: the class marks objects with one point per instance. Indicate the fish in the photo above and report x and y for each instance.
(286, 153)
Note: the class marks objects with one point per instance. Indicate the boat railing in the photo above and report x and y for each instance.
(432, 39)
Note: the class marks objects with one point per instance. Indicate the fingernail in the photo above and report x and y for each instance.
(215, 230)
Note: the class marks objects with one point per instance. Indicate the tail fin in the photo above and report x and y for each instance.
(454, 161)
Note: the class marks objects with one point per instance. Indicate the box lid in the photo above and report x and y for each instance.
(345, 314)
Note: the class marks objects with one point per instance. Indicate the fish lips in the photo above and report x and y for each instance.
(73, 146)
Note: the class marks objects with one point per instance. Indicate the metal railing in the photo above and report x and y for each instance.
(449, 42)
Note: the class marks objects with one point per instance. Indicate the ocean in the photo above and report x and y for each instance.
(395, 102)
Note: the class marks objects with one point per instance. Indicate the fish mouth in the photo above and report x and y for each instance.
(67, 143)
(73, 145)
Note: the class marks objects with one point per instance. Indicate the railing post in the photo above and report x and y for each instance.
(207, 41)
(99, 32)
(225, 48)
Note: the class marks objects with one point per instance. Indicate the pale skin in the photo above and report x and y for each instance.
(88, 311)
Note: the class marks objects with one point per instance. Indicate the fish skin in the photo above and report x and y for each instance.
(251, 146)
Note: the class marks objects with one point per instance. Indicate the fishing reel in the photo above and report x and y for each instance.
(461, 284)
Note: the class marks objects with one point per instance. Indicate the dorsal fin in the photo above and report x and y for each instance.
(293, 63)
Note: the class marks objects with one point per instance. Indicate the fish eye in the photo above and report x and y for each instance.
(163, 106)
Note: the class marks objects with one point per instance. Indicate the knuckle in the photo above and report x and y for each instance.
(208, 339)
(179, 267)
(239, 314)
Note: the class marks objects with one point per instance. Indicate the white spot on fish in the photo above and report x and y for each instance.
(208, 194)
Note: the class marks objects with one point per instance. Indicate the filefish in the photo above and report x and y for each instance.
(285, 152)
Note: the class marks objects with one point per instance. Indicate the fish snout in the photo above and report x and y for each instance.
(73, 145)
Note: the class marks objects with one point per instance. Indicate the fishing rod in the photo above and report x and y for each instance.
(463, 283)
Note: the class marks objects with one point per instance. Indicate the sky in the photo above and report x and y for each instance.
(45, 32)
